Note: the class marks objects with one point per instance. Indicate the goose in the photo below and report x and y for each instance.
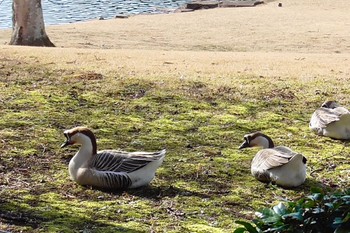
(109, 169)
(279, 165)
(331, 120)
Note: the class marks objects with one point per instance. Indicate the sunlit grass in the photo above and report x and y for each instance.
(204, 184)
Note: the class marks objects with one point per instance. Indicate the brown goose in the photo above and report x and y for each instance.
(278, 165)
(109, 169)
(331, 120)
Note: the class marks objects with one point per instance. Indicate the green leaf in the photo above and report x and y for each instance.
(347, 218)
(248, 226)
(342, 229)
(240, 230)
(346, 197)
(329, 205)
(273, 219)
(316, 190)
(280, 209)
(296, 215)
(337, 221)
(277, 229)
(316, 196)
(309, 204)
(318, 210)
(267, 212)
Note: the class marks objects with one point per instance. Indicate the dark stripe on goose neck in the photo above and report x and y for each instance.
(331, 104)
(257, 134)
(89, 134)
(304, 160)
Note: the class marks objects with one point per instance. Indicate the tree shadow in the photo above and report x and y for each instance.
(310, 184)
(18, 217)
(345, 141)
(156, 193)
(15, 216)
(307, 187)
(313, 183)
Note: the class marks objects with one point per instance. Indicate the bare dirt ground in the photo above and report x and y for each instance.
(302, 38)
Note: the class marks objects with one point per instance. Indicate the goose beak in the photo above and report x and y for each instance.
(245, 144)
(67, 143)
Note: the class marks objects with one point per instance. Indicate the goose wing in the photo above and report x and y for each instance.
(120, 161)
(270, 158)
(324, 116)
(344, 115)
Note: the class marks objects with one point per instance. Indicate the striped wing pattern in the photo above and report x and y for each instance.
(112, 180)
(113, 167)
(119, 161)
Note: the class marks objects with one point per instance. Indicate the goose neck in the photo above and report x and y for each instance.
(87, 150)
(266, 142)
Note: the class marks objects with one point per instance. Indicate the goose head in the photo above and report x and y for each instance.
(80, 136)
(330, 104)
(257, 139)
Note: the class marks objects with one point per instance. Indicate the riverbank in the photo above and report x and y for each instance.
(308, 27)
(266, 40)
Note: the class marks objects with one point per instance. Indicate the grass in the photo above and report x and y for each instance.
(204, 184)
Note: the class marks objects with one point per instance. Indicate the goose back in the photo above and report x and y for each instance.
(331, 122)
(269, 158)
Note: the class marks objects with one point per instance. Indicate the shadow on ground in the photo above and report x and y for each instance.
(15, 216)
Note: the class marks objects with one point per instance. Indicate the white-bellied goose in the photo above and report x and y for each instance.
(279, 165)
(331, 120)
(109, 169)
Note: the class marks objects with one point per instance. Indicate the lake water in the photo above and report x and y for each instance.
(69, 11)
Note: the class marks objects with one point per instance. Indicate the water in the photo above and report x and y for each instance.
(70, 11)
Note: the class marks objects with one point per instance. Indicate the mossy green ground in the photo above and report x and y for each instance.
(205, 183)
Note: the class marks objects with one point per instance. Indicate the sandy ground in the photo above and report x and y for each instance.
(302, 38)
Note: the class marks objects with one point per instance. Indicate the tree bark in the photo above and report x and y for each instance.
(28, 24)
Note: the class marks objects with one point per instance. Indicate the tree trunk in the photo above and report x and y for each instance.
(28, 24)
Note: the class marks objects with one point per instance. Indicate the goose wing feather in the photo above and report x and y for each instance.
(120, 161)
(112, 180)
(270, 158)
(324, 116)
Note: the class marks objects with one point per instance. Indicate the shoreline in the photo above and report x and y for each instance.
(200, 5)
(69, 12)
(266, 28)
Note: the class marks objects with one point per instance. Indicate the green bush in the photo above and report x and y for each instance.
(316, 213)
